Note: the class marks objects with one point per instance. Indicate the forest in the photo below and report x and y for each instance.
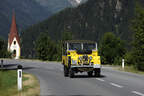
(116, 26)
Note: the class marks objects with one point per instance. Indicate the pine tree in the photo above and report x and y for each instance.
(67, 35)
(44, 47)
(138, 29)
(111, 48)
(3, 49)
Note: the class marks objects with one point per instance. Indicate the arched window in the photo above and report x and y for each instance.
(14, 42)
(14, 52)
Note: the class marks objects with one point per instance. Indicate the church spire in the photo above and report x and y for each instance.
(13, 30)
(14, 39)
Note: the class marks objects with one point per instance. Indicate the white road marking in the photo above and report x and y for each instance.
(100, 79)
(116, 85)
(138, 93)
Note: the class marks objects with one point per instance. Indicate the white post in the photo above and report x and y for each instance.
(82, 46)
(67, 46)
(96, 47)
(19, 78)
(123, 63)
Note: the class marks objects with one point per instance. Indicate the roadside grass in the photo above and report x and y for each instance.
(8, 84)
(31, 86)
(127, 68)
(131, 69)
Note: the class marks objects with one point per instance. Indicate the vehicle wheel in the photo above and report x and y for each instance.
(66, 71)
(97, 72)
(90, 73)
(71, 73)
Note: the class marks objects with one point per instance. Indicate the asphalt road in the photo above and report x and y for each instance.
(53, 82)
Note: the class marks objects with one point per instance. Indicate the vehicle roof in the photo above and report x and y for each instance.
(79, 41)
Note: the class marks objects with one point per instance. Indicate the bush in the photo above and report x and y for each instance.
(129, 58)
(118, 60)
(47, 49)
(111, 47)
(3, 49)
(138, 42)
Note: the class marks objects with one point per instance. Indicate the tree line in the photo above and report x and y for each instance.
(88, 21)
(3, 49)
(48, 49)
(111, 48)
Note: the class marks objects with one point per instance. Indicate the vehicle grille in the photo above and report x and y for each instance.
(85, 58)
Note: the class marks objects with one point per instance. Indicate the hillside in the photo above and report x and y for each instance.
(54, 5)
(27, 12)
(57, 5)
(75, 3)
(88, 21)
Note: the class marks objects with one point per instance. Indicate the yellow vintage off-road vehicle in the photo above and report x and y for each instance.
(80, 56)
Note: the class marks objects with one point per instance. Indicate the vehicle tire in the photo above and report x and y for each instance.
(71, 73)
(66, 71)
(90, 73)
(97, 72)
(69, 62)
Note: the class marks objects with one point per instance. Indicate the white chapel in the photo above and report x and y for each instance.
(14, 39)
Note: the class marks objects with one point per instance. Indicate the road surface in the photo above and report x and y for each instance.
(53, 82)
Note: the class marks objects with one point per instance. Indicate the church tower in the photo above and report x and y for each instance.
(14, 39)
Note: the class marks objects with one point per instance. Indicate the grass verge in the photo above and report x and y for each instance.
(127, 68)
(8, 84)
(130, 69)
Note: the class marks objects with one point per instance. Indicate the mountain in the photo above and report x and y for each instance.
(28, 12)
(76, 2)
(87, 21)
(54, 5)
(57, 5)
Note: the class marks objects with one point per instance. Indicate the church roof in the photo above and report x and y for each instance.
(13, 31)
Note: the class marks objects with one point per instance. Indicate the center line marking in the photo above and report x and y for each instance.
(116, 85)
(138, 93)
(100, 79)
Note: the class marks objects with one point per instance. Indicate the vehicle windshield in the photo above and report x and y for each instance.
(74, 46)
(78, 46)
(88, 46)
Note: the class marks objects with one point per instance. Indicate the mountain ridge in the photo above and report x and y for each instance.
(28, 12)
(87, 21)
(25, 15)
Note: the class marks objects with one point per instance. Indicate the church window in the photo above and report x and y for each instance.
(14, 52)
(14, 42)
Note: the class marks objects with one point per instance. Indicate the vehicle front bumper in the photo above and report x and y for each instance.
(86, 66)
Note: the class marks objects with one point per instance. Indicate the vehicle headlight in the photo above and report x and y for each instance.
(74, 61)
(90, 57)
(80, 57)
